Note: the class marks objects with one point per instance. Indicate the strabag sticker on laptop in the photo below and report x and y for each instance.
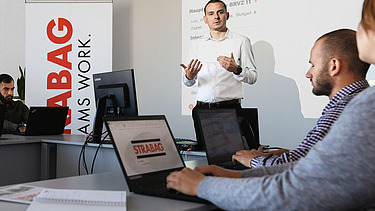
(146, 157)
(148, 148)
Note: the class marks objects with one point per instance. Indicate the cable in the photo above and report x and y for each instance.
(82, 154)
(186, 155)
(97, 150)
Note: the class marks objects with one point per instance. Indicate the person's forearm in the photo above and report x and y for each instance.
(9, 127)
(267, 170)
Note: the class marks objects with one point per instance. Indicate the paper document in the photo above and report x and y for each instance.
(80, 200)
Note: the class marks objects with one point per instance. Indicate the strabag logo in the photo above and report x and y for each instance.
(63, 79)
(148, 148)
(60, 34)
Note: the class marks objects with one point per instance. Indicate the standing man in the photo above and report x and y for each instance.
(16, 113)
(337, 72)
(220, 61)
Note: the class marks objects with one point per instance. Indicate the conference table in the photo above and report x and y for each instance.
(34, 158)
(51, 162)
(111, 181)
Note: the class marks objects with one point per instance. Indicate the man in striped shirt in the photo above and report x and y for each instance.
(336, 72)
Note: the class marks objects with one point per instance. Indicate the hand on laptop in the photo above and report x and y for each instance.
(214, 170)
(185, 181)
(21, 128)
(245, 156)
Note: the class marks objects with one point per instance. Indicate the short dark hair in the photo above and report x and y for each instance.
(5, 78)
(342, 43)
(214, 1)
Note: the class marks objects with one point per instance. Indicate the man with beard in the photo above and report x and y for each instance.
(16, 112)
(336, 72)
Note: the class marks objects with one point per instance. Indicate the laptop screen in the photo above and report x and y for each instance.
(145, 145)
(221, 133)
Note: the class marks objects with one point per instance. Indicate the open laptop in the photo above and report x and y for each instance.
(248, 122)
(45, 121)
(221, 135)
(147, 154)
(2, 117)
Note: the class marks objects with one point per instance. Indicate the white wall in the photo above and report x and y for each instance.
(147, 37)
(157, 55)
(12, 36)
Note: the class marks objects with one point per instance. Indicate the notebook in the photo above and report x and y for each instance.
(45, 121)
(147, 154)
(248, 122)
(78, 200)
(221, 136)
(2, 117)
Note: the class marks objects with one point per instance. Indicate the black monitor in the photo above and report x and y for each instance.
(114, 96)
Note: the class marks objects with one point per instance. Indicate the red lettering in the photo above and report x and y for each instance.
(63, 98)
(68, 121)
(156, 147)
(53, 56)
(62, 22)
(147, 149)
(161, 148)
(143, 149)
(152, 148)
(135, 149)
(61, 80)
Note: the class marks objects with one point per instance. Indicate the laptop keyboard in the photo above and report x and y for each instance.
(162, 191)
(233, 166)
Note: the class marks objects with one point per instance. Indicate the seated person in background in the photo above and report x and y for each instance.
(16, 112)
(337, 72)
(337, 174)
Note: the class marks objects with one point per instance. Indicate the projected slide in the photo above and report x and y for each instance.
(282, 33)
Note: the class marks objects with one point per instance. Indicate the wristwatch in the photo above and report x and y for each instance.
(239, 70)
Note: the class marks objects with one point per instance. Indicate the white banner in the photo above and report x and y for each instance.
(65, 44)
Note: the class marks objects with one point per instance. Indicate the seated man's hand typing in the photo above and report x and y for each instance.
(217, 171)
(185, 181)
(245, 156)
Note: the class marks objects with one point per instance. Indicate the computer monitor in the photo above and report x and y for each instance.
(115, 95)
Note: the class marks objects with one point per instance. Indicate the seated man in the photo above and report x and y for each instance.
(337, 72)
(16, 112)
(337, 174)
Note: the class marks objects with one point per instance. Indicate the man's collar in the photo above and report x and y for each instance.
(228, 34)
(355, 87)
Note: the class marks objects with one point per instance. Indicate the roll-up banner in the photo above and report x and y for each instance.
(66, 43)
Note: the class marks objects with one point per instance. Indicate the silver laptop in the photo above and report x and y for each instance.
(147, 153)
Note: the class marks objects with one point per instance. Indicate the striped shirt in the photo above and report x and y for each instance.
(329, 115)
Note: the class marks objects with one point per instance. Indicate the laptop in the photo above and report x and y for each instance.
(2, 117)
(221, 136)
(147, 153)
(248, 122)
(45, 121)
